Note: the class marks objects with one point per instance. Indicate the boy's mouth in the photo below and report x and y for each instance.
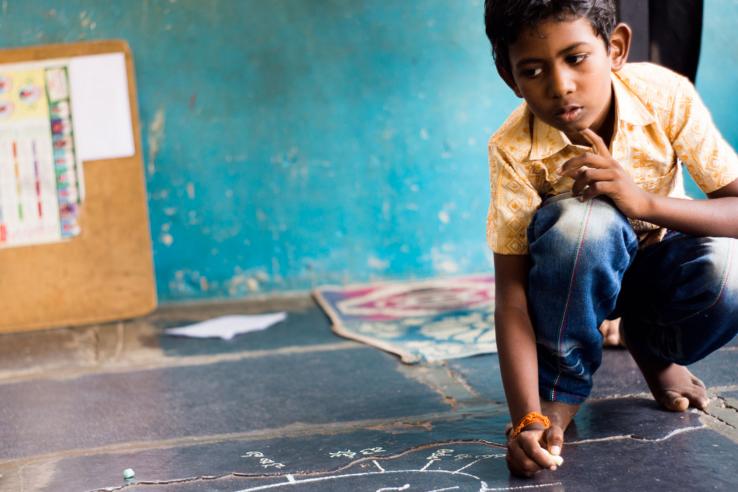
(568, 113)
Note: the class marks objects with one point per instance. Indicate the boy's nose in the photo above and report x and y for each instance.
(561, 83)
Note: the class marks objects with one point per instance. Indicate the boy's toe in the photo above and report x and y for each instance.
(700, 402)
(671, 400)
(698, 397)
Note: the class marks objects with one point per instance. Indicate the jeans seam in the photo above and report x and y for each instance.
(568, 297)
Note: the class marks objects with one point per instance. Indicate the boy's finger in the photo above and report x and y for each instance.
(588, 177)
(587, 159)
(597, 143)
(597, 189)
(519, 462)
(539, 455)
(554, 440)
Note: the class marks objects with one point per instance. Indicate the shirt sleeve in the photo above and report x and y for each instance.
(711, 161)
(513, 202)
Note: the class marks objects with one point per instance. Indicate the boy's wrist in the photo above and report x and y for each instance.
(648, 206)
(532, 420)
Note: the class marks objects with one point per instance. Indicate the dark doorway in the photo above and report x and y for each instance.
(667, 32)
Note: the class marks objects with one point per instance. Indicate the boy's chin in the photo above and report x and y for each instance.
(571, 129)
(574, 129)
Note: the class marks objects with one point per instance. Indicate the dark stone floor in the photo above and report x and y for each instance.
(297, 408)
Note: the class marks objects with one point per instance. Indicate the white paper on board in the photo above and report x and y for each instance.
(226, 327)
(101, 109)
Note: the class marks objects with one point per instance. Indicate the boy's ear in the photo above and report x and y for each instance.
(620, 45)
(509, 81)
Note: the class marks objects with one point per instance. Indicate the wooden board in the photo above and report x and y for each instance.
(106, 272)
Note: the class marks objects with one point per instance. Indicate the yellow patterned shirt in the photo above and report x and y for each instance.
(660, 122)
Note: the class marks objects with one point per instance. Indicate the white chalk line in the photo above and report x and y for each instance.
(521, 487)
(477, 461)
(388, 489)
(467, 466)
(378, 465)
(641, 439)
(430, 462)
(348, 475)
(447, 488)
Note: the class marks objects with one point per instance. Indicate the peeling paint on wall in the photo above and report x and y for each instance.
(376, 264)
(155, 136)
(244, 283)
(444, 259)
(86, 22)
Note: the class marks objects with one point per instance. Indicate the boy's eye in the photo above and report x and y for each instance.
(576, 59)
(531, 73)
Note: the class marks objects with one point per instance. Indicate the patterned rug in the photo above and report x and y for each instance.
(421, 321)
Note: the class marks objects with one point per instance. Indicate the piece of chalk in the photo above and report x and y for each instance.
(128, 473)
(558, 460)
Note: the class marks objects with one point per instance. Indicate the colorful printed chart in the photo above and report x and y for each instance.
(41, 184)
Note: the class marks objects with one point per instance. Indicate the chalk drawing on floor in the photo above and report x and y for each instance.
(442, 470)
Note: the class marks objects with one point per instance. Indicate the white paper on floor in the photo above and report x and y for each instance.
(226, 327)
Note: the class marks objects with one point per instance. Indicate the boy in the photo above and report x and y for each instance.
(587, 224)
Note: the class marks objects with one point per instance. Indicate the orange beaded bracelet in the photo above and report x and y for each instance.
(531, 418)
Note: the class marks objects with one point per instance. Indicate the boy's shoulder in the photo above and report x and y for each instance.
(514, 136)
(649, 88)
(649, 78)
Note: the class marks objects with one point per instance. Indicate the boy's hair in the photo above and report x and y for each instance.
(505, 19)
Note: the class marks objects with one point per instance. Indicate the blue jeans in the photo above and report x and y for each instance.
(678, 299)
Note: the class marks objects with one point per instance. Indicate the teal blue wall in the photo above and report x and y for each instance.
(717, 75)
(290, 143)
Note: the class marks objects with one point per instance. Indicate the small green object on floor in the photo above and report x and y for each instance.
(128, 473)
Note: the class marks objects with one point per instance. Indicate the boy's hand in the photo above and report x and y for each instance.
(598, 173)
(534, 450)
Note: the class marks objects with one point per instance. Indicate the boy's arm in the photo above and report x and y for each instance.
(714, 217)
(516, 340)
(599, 174)
(516, 345)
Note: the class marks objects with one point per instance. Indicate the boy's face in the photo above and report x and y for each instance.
(562, 69)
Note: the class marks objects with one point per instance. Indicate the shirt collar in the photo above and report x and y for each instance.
(547, 140)
(627, 105)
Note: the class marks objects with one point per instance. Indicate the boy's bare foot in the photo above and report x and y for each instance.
(674, 387)
(610, 330)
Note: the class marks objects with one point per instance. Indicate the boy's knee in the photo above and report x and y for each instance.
(724, 265)
(704, 312)
(716, 273)
(723, 281)
(565, 224)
